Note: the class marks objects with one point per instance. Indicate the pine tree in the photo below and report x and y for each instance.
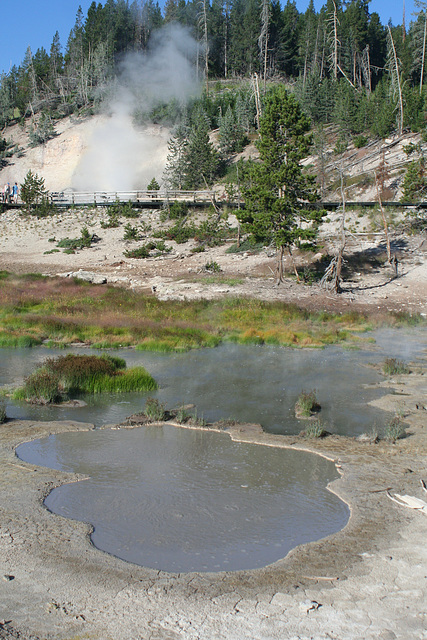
(276, 191)
(33, 191)
(175, 170)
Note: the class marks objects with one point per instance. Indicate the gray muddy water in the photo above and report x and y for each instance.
(248, 383)
(183, 500)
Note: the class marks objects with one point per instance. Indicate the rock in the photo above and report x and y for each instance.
(309, 605)
(88, 276)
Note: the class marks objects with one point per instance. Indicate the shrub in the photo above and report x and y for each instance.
(360, 141)
(41, 387)
(113, 221)
(131, 233)
(123, 209)
(141, 252)
(212, 267)
(154, 410)
(394, 430)
(180, 232)
(315, 430)
(144, 250)
(178, 210)
(392, 367)
(74, 244)
(3, 416)
(306, 404)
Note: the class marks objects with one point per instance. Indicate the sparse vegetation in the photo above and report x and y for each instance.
(154, 410)
(394, 429)
(315, 429)
(393, 367)
(306, 404)
(213, 267)
(146, 250)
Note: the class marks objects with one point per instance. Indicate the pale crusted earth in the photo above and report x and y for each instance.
(26, 245)
(365, 582)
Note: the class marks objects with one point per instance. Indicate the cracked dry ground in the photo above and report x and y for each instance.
(367, 581)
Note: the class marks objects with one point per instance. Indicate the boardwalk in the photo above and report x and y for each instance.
(144, 199)
(149, 199)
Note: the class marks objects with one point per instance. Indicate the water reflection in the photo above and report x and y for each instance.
(181, 500)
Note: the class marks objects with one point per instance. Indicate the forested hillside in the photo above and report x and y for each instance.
(343, 66)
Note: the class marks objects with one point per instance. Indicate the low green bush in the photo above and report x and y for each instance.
(393, 367)
(213, 267)
(74, 244)
(131, 233)
(306, 404)
(154, 410)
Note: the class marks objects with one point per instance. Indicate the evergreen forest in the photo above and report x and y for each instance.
(342, 65)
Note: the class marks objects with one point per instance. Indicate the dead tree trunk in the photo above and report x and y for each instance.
(387, 237)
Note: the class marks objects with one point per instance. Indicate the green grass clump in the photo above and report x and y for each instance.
(306, 404)
(394, 430)
(41, 387)
(16, 342)
(154, 410)
(315, 429)
(393, 367)
(58, 378)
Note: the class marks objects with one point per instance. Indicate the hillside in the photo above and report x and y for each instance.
(27, 244)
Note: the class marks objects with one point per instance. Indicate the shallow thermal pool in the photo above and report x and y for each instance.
(185, 500)
(248, 383)
(182, 500)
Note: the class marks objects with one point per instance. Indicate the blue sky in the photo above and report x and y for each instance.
(34, 22)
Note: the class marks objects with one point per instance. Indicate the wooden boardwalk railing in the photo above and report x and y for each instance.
(138, 198)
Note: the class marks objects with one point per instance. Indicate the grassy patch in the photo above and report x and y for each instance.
(393, 367)
(65, 376)
(36, 310)
(306, 404)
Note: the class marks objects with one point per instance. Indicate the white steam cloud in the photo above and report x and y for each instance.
(121, 156)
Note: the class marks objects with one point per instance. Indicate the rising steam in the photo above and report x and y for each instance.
(121, 156)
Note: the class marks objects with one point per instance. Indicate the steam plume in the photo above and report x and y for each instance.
(121, 156)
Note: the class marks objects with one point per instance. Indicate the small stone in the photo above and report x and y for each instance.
(309, 605)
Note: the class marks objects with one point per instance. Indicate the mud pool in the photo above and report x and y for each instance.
(247, 383)
(179, 500)
(185, 500)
